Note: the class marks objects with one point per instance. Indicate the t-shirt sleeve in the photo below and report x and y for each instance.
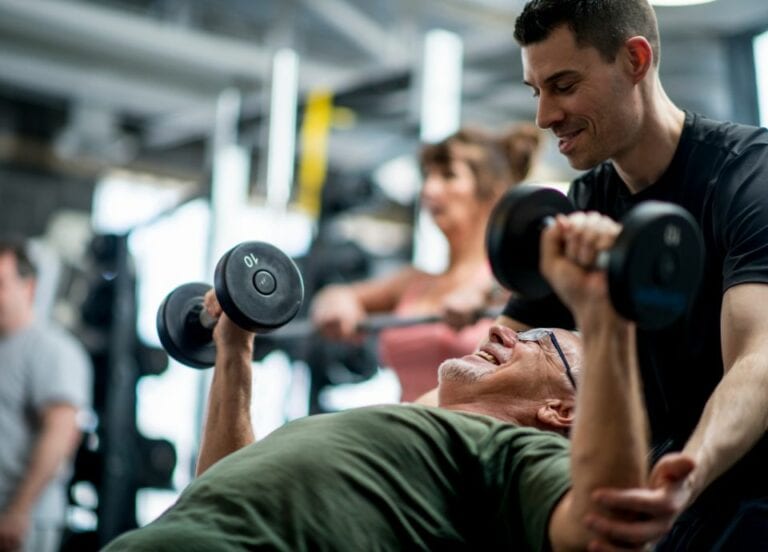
(741, 219)
(60, 372)
(536, 313)
(532, 472)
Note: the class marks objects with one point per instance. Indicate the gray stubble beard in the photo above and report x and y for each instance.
(457, 369)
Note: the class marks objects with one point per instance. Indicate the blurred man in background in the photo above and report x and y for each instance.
(45, 380)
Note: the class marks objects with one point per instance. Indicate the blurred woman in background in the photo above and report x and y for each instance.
(464, 176)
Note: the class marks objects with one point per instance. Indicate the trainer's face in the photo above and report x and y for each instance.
(16, 295)
(508, 365)
(588, 103)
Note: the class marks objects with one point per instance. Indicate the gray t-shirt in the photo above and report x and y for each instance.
(39, 366)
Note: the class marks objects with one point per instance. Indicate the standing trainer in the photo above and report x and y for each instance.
(593, 67)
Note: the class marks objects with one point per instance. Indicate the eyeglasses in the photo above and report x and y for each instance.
(540, 333)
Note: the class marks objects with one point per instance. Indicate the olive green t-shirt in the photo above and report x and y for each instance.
(396, 477)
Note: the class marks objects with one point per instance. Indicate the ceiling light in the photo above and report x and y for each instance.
(679, 2)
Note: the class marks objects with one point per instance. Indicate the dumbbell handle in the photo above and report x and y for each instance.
(206, 320)
(372, 324)
(603, 257)
(197, 314)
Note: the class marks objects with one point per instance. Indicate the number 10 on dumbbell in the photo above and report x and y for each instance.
(259, 288)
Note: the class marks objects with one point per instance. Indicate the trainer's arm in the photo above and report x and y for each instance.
(736, 414)
(228, 424)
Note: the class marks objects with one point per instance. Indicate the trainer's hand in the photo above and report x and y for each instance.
(227, 335)
(642, 515)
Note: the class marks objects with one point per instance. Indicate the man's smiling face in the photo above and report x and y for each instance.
(585, 100)
(506, 364)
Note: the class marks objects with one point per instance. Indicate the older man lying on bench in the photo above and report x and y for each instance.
(489, 469)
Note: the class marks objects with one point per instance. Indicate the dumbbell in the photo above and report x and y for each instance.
(653, 269)
(258, 286)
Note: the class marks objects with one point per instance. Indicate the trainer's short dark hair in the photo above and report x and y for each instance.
(18, 247)
(602, 24)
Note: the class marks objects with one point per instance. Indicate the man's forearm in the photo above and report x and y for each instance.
(56, 443)
(610, 435)
(228, 420)
(736, 414)
(609, 439)
(735, 417)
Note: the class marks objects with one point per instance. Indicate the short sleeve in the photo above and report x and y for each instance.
(741, 218)
(532, 471)
(60, 371)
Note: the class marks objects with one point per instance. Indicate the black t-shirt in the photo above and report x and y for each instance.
(720, 174)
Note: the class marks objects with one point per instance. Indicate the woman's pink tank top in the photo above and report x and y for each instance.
(415, 352)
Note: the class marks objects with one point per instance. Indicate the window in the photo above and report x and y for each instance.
(761, 67)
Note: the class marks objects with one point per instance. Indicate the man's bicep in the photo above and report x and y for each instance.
(60, 424)
(61, 417)
(740, 218)
(744, 326)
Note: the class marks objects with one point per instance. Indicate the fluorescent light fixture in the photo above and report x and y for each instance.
(399, 179)
(440, 117)
(282, 127)
(230, 176)
(229, 193)
(679, 2)
(124, 200)
(441, 85)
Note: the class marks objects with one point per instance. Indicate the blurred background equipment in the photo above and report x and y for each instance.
(91, 84)
(115, 459)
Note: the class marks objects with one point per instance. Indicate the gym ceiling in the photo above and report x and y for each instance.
(86, 85)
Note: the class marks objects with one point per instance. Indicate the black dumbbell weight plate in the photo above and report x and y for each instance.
(655, 265)
(259, 287)
(514, 234)
(179, 328)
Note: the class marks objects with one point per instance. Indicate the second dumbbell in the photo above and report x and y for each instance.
(259, 288)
